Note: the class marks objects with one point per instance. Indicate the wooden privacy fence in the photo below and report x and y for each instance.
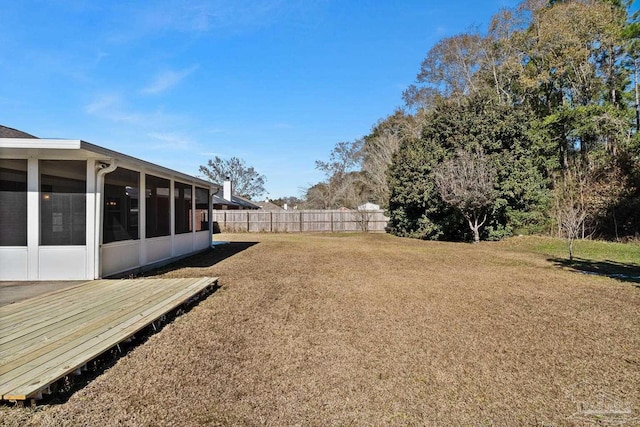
(296, 221)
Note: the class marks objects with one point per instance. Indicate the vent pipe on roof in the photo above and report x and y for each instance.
(227, 189)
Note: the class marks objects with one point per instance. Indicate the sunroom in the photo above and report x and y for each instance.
(71, 210)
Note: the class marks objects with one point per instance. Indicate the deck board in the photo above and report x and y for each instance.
(45, 338)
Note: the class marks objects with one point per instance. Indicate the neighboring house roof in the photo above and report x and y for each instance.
(218, 200)
(369, 207)
(248, 204)
(241, 202)
(269, 206)
(7, 132)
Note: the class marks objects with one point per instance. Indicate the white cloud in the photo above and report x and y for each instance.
(171, 140)
(202, 16)
(102, 103)
(113, 107)
(166, 80)
(109, 106)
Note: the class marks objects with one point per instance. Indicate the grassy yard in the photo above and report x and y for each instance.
(333, 330)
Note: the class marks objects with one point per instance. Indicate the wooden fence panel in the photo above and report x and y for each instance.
(286, 222)
(259, 221)
(296, 221)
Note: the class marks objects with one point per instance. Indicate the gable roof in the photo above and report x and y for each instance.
(269, 206)
(7, 132)
(218, 199)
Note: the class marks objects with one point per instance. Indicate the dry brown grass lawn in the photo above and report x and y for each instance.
(375, 330)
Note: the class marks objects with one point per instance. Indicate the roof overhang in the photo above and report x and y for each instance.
(217, 200)
(40, 144)
(78, 149)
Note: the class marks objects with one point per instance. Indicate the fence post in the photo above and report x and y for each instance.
(332, 221)
(271, 222)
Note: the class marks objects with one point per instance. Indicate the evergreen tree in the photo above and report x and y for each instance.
(501, 132)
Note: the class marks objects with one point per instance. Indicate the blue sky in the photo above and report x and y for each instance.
(276, 83)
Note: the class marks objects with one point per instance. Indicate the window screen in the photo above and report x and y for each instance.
(202, 209)
(63, 202)
(183, 208)
(121, 205)
(13, 203)
(157, 205)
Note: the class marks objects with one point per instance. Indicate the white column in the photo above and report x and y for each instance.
(172, 215)
(142, 218)
(210, 216)
(91, 219)
(193, 215)
(33, 219)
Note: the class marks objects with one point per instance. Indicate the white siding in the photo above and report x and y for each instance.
(13, 263)
(120, 256)
(203, 240)
(158, 249)
(63, 263)
(182, 244)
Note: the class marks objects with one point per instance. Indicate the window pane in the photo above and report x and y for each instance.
(182, 195)
(158, 208)
(202, 209)
(13, 203)
(121, 205)
(63, 202)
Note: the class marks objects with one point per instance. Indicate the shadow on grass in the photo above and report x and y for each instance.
(218, 253)
(615, 270)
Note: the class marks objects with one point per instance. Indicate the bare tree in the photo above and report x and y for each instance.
(452, 63)
(344, 185)
(571, 211)
(247, 182)
(379, 155)
(380, 146)
(363, 217)
(572, 216)
(466, 182)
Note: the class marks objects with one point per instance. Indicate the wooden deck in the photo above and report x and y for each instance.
(46, 338)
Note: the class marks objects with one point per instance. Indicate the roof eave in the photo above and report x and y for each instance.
(147, 165)
(76, 144)
(38, 144)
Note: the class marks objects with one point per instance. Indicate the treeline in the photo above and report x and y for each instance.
(528, 126)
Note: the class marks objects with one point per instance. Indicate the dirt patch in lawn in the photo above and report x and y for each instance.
(376, 330)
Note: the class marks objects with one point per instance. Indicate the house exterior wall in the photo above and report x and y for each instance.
(128, 255)
(14, 263)
(183, 244)
(202, 240)
(92, 260)
(48, 262)
(62, 263)
(118, 257)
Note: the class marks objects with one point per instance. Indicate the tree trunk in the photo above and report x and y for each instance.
(476, 235)
(570, 250)
(475, 227)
